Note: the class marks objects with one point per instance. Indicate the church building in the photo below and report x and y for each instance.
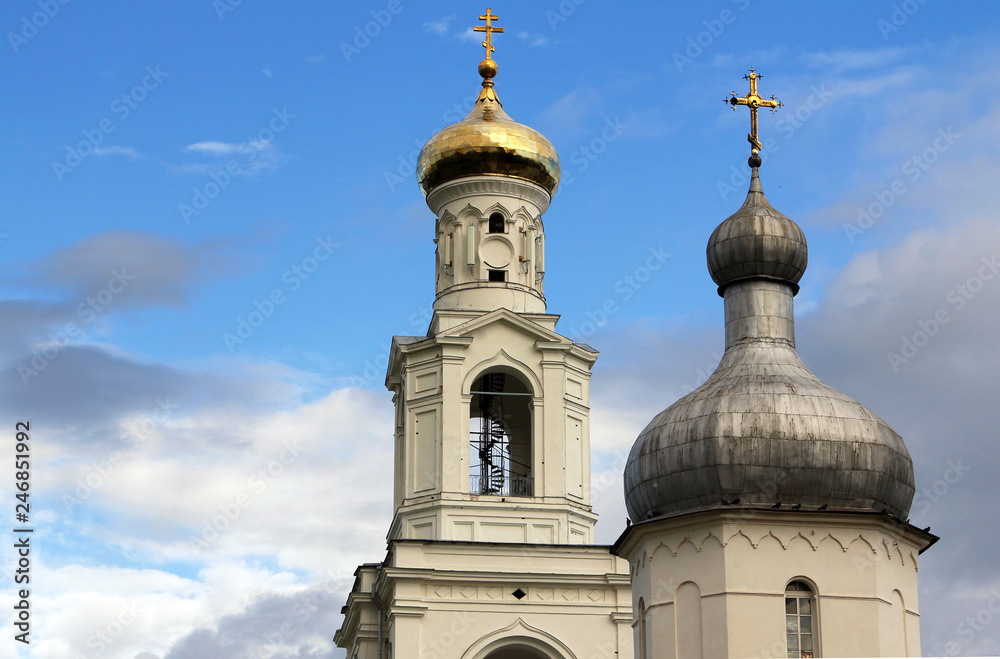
(768, 511)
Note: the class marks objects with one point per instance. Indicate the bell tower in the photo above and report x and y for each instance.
(492, 406)
(490, 550)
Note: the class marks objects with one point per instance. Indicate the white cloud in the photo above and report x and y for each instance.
(922, 169)
(124, 151)
(117, 612)
(253, 157)
(722, 60)
(575, 113)
(754, 57)
(849, 60)
(645, 124)
(333, 435)
(440, 26)
(275, 553)
(930, 299)
(470, 35)
(214, 148)
(870, 87)
(533, 39)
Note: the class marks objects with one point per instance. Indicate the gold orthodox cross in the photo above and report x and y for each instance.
(753, 101)
(489, 29)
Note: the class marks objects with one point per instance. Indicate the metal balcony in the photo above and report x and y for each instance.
(508, 486)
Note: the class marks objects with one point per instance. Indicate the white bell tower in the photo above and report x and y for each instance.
(490, 552)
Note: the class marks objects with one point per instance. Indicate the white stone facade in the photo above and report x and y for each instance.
(712, 584)
(479, 600)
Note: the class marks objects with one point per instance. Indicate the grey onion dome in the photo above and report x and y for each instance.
(757, 241)
(763, 429)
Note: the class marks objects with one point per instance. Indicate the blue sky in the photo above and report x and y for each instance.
(168, 169)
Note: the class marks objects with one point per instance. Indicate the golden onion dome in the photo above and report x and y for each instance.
(488, 142)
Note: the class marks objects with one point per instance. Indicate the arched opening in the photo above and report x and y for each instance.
(500, 436)
(516, 652)
(496, 223)
(800, 620)
(518, 640)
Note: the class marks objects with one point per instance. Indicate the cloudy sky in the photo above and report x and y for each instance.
(211, 229)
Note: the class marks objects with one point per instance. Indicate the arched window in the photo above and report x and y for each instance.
(500, 436)
(800, 620)
(496, 223)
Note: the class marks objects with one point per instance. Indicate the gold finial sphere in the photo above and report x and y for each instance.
(488, 68)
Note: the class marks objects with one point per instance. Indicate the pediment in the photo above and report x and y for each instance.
(524, 325)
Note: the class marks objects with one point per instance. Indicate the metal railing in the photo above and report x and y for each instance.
(511, 486)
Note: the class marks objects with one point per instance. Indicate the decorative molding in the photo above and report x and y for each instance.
(501, 358)
(470, 210)
(489, 185)
(504, 592)
(521, 214)
(862, 538)
(519, 633)
(699, 542)
(497, 208)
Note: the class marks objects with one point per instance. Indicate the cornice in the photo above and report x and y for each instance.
(471, 186)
